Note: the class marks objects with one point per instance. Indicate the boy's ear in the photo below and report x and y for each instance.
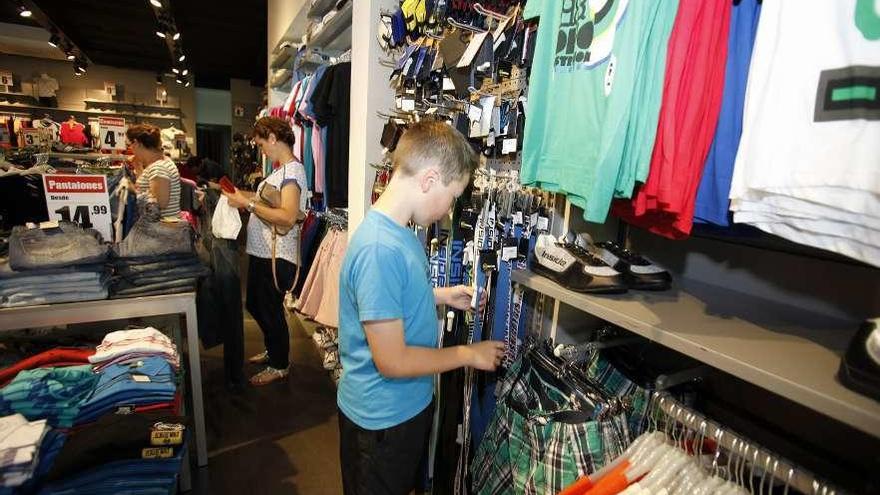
(430, 177)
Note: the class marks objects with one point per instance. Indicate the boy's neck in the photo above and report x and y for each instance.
(396, 202)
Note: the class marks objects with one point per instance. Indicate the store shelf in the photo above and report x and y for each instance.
(32, 109)
(335, 36)
(786, 350)
(283, 57)
(133, 108)
(83, 156)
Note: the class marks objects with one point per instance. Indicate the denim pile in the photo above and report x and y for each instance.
(156, 257)
(53, 265)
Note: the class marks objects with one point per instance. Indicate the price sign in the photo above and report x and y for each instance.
(6, 78)
(82, 199)
(112, 133)
(33, 137)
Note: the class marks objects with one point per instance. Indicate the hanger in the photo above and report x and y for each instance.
(490, 13)
(466, 27)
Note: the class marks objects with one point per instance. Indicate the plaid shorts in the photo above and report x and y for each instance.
(536, 445)
(615, 383)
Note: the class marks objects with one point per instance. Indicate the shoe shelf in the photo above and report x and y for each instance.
(335, 35)
(786, 350)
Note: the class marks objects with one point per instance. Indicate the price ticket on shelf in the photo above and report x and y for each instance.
(34, 137)
(112, 133)
(82, 199)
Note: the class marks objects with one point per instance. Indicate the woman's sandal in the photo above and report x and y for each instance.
(261, 358)
(269, 375)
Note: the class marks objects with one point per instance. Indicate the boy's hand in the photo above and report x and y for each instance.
(486, 355)
(459, 297)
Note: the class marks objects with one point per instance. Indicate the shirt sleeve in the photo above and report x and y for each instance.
(532, 9)
(378, 278)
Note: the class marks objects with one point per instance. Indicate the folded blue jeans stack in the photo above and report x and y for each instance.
(54, 265)
(156, 257)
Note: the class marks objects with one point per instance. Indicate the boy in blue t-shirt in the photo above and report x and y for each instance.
(388, 325)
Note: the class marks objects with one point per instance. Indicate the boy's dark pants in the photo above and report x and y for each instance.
(383, 462)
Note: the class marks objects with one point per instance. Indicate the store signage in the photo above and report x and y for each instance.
(161, 95)
(34, 137)
(82, 199)
(110, 88)
(238, 111)
(6, 79)
(112, 133)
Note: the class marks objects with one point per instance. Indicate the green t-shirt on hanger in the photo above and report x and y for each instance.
(594, 97)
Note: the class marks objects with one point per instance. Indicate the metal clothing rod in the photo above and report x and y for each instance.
(760, 459)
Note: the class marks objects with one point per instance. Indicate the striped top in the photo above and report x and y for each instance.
(164, 168)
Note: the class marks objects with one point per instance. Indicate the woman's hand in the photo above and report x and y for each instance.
(237, 199)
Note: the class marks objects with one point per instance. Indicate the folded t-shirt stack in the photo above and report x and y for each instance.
(53, 265)
(20, 441)
(126, 346)
(53, 394)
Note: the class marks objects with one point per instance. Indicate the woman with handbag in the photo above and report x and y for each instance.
(276, 210)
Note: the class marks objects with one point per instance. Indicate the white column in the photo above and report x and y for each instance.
(370, 93)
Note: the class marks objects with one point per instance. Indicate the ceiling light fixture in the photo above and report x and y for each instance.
(182, 58)
(54, 41)
(185, 72)
(71, 56)
(176, 36)
(179, 80)
(160, 34)
(186, 85)
(156, 3)
(24, 11)
(175, 70)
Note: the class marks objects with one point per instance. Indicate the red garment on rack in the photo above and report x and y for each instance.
(74, 133)
(692, 90)
(61, 356)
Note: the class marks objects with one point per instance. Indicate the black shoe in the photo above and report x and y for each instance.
(639, 272)
(576, 271)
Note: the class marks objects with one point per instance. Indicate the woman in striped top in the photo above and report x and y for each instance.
(157, 177)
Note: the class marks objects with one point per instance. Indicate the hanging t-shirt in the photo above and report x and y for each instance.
(581, 93)
(712, 196)
(332, 101)
(823, 169)
(692, 91)
(73, 133)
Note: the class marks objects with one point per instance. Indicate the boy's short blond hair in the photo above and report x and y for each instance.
(434, 142)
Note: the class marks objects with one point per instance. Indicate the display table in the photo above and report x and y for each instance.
(119, 309)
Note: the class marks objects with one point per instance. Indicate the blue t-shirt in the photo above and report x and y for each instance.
(712, 196)
(384, 276)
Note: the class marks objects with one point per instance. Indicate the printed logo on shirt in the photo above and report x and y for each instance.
(848, 93)
(586, 36)
(868, 19)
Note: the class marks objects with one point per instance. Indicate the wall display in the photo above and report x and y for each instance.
(112, 133)
(5, 80)
(82, 199)
(161, 95)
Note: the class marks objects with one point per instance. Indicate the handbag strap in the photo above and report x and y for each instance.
(275, 270)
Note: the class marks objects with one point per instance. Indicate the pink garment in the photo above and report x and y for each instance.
(328, 312)
(310, 300)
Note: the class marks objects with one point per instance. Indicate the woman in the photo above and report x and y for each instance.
(157, 178)
(265, 298)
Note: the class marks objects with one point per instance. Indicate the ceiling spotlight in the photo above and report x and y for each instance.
(71, 56)
(175, 70)
(176, 36)
(24, 11)
(54, 41)
(187, 84)
(185, 72)
(182, 58)
(160, 34)
(179, 80)
(79, 69)
(156, 3)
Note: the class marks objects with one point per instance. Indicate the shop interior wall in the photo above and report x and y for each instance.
(251, 98)
(140, 86)
(284, 22)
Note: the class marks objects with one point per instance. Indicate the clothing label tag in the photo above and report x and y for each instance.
(170, 437)
(141, 378)
(407, 104)
(543, 223)
(52, 224)
(533, 219)
(474, 113)
(509, 252)
(125, 410)
(157, 453)
(431, 110)
(517, 218)
(508, 146)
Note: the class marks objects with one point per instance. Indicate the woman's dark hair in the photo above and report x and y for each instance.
(273, 125)
(146, 134)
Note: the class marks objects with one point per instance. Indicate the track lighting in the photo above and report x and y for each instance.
(160, 34)
(186, 85)
(176, 36)
(185, 72)
(24, 11)
(175, 70)
(156, 3)
(179, 80)
(54, 41)
(71, 56)
(182, 58)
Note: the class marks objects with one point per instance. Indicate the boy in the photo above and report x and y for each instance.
(388, 321)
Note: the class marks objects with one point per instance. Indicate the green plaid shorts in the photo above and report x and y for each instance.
(614, 382)
(528, 450)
